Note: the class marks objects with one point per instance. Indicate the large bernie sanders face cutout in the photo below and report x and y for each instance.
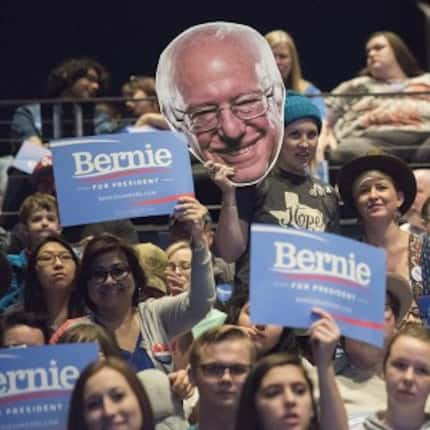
(219, 84)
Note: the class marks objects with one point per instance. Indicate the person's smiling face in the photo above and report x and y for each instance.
(299, 146)
(231, 116)
(110, 403)
(111, 282)
(375, 196)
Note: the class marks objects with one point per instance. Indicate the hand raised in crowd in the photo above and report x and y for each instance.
(220, 174)
(180, 384)
(189, 210)
(324, 336)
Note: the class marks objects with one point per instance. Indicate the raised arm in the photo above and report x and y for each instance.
(324, 336)
(231, 236)
(180, 313)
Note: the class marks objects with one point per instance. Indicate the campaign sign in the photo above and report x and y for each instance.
(36, 384)
(293, 271)
(118, 176)
(29, 155)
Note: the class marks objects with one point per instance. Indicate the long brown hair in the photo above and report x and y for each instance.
(404, 56)
(247, 417)
(76, 420)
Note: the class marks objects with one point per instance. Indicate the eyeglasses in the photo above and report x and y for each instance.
(50, 259)
(182, 266)
(244, 107)
(217, 370)
(117, 273)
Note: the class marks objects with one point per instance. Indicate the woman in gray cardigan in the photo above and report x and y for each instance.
(111, 281)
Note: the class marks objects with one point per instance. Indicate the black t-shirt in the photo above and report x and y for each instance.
(287, 200)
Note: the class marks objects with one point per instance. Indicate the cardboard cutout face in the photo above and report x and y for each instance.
(219, 84)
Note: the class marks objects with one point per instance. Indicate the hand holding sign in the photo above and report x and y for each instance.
(192, 212)
(120, 176)
(324, 335)
(294, 271)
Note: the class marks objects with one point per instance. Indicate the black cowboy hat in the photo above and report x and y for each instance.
(395, 168)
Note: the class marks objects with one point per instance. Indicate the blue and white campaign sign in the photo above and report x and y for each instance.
(293, 271)
(118, 176)
(36, 384)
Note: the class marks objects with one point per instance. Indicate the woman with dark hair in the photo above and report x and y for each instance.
(289, 197)
(78, 77)
(50, 286)
(111, 281)
(361, 121)
(108, 394)
(278, 393)
(380, 188)
(268, 338)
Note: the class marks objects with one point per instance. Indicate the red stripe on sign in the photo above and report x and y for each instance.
(123, 173)
(162, 200)
(360, 323)
(323, 278)
(34, 395)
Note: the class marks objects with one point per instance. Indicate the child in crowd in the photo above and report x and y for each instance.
(19, 328)
(38, 215)
(88, 332)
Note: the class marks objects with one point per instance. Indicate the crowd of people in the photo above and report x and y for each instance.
(174, 352)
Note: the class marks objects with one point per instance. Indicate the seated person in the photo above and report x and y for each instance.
(78, 78)
(38, 216)
(142, 103)
(111, 281)
(19, 328)
(278, 393)
(406, 373)
(82, 332)
(359, 371)
(153, 261)
(400, 124)
(178, 232)
(288, 61)
(220, 360)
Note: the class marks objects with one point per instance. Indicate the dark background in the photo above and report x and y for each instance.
(127, 36)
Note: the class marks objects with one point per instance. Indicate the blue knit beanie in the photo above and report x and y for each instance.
(298, 106)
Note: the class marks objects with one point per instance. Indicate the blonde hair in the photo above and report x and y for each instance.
(176, 246)
(295, 79)
(217, 335)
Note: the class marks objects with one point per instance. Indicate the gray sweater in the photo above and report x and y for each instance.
(167, 317)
